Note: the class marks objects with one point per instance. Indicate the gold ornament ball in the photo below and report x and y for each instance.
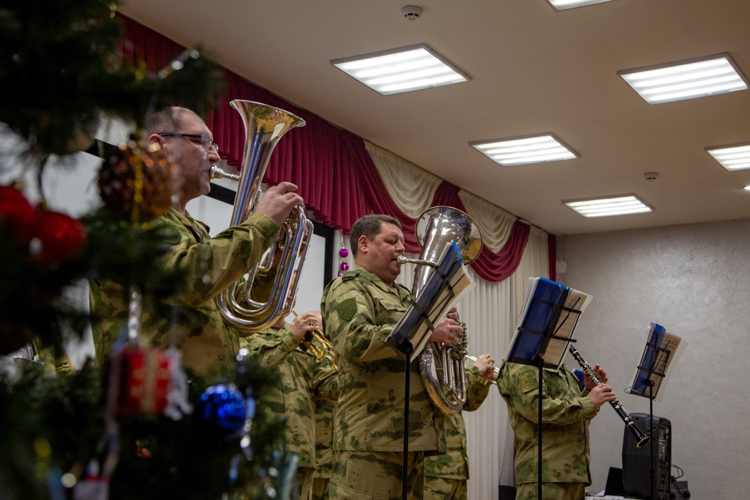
(137, 181)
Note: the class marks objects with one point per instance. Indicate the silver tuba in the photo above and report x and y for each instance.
(442, 367)
(261, 307)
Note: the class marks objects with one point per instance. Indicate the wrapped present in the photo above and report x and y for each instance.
(143, 380)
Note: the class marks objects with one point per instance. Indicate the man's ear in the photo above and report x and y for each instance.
(363, 244)
(156, 139)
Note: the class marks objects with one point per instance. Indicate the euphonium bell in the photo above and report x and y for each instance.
(259, 306)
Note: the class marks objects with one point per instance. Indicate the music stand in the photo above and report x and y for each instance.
(447, 281)
(550, 309)
(660, 351)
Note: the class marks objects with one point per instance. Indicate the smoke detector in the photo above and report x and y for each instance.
(650, 176)
(411, 12)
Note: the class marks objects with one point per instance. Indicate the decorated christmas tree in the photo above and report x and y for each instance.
(134, 428)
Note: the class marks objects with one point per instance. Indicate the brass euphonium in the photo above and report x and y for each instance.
(442, 367)
(264, 126)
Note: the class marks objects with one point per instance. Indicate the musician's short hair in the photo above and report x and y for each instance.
(370, 226)
(165, 121)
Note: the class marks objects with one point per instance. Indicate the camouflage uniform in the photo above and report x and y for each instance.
(446, 475)
(566, 414)
(302, 378)
(359, 311)
(323, 450)
(194, 323)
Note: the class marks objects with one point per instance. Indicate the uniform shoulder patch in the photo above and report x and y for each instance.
(346, 309)
(350, 275)
(170, 235)
(528, 381)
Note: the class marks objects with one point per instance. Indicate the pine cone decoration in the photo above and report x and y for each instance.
(137, 181)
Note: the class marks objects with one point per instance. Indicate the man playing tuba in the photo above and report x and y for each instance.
(195, 325)
(359, 310)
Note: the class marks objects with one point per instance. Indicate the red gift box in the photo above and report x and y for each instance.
(144, 381)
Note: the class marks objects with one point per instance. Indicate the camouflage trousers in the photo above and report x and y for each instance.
(364, 475)
(551, 491)
(320, 485)
(443, 488)
(305, 482)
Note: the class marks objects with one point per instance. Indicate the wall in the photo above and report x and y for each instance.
(695, 281)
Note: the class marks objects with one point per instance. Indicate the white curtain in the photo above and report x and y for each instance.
(413, 189)
(494, 222)
(534, 264)
(410, 187)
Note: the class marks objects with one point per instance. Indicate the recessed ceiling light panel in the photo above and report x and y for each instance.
(523, 150)
(406, 69)
(735, 157)
(606, 207)
(572, 4)
(686, 79)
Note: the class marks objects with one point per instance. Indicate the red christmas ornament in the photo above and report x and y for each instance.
(18, 214)
(143, 381)
(60, 236)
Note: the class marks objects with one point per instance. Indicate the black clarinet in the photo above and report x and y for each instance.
(640, 437)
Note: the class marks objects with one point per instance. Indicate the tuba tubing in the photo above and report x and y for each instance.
(264, 127)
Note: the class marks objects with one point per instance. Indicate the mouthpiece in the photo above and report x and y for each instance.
(403, 260)
(217, 173)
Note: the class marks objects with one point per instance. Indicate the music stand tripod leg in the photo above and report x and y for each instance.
(540, 368)
(407, 349)
(652, 467)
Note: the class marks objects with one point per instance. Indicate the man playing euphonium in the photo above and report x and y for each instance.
(359, 310)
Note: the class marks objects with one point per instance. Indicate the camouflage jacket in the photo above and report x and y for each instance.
(359, 311)
(301, 381)
(193, 323)
(323, 433)
(455, 463)
(565, 415)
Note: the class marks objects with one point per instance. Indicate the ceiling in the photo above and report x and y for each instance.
(533, 70)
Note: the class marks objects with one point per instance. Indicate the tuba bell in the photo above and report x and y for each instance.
(442, 367)
(260, 307)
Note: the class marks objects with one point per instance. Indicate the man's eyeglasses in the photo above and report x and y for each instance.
(206, 141)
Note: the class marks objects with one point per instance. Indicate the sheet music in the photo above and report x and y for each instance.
(435, 299)
(461, 283)
(542, 295)
(557, 349)
(661, 350)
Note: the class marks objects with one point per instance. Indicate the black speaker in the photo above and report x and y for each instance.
(636, 462)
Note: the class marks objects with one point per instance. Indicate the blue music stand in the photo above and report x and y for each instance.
(655, 354)
(543, 319)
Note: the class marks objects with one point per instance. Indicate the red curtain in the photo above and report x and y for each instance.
(552, 256)
(492, 266)
(335, 174)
